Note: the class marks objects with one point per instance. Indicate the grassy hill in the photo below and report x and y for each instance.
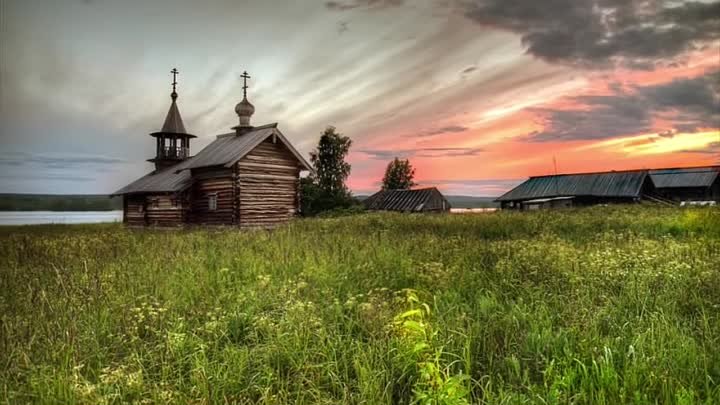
(50, 202)
(606, 305)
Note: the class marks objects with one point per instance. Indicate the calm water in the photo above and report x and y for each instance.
(471, 210)
(58, 217)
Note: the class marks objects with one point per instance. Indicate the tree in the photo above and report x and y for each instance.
(398, 175)
(325, 189)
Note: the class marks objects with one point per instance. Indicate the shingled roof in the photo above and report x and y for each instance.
(227, 149)
(425, 199)
(168, 180)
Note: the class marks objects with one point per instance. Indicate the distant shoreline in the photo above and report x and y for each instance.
(101, 202)
(59, 202)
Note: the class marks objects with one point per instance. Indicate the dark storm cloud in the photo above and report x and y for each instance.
(421, 152)
(350, 5)
(691, 104)
(635, 33)
(638, 34)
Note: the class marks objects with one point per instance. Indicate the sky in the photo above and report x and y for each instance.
(478, 94)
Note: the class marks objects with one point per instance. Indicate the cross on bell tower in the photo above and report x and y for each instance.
(174, 72)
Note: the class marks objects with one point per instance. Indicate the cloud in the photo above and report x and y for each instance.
(711, 149)
(421, 152)
(602, 33)
(690, 104)
(48, 176)
(450, 129)
(486, 187)
(367, 4)
(17, 159)
(479, 182)
(637, 34)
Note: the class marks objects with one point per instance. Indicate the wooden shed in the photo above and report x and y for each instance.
(418, 200)
(248, 177)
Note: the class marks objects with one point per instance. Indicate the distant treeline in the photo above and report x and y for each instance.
(49, 202)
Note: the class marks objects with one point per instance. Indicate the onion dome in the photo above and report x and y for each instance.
(244, 109)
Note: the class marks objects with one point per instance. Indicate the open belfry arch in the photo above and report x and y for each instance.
(248, 177)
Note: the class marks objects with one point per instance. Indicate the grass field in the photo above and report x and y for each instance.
(605, 305)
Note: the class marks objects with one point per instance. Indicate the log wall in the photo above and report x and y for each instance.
(165, 210)
(218, 182)
(134, 210)
(267, 186)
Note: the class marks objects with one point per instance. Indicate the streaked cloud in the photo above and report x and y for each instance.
(56, 160)
(367, 4)
(420, 152)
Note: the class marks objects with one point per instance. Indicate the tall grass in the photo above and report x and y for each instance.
(609, 305)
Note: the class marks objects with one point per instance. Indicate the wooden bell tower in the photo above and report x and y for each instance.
(173, 141)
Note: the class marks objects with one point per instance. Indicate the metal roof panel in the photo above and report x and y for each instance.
(692, 177)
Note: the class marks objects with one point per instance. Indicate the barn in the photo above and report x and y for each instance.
(663, 186)
(247, 178)
(417, 200)
(687, 184)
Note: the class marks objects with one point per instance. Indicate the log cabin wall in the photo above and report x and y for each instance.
(212, 183)
(267, 185)
(134, 210)
(437, 203)
(164, 210)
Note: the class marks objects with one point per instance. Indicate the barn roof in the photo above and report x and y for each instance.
(169, 179)
(687, 177)
(227, 149)
(401, 200)
(608, 184)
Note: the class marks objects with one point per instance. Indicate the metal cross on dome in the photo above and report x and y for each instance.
(245, 76)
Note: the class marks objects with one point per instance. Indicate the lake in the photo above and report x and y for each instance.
(471, 210)
(58, 217)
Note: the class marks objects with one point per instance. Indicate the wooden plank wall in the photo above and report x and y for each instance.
(267, 180)
(134, 210)
(162, 211)
(436, 203)
(218, 181)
